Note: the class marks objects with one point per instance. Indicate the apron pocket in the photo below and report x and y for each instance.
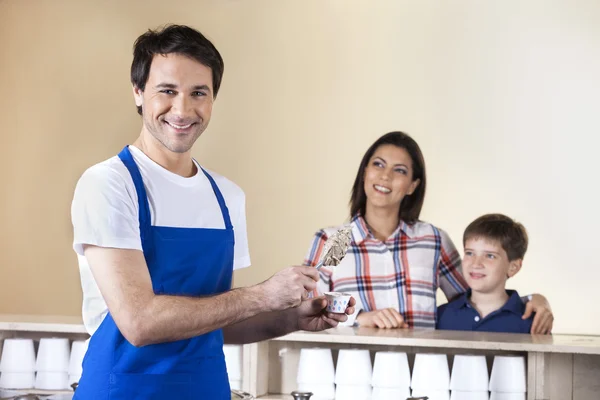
(167, 386)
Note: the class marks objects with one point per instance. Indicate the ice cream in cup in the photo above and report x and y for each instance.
(337, 302)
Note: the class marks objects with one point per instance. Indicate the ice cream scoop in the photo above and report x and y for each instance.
(336, 247)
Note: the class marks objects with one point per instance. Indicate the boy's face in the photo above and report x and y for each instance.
(486, 266)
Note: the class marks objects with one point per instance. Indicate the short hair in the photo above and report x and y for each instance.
(511, 235)
(411, 206)
(179, 39)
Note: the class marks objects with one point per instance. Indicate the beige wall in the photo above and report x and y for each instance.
(502, 96)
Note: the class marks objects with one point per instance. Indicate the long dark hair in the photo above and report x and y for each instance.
(411, 205)
(178, 39)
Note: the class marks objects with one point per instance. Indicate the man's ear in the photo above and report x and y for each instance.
(514, 267)
(138, 95)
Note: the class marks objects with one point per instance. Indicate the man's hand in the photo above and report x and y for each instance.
(388, 318)
(312, 316)
(544, 319)
(288, 287)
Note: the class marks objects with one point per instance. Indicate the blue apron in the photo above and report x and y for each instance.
(182, 261)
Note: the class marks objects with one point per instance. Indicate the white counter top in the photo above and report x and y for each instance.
(452, 339)
(41, 323)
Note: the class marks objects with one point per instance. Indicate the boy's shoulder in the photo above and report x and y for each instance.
(511, 317)
(446, 313)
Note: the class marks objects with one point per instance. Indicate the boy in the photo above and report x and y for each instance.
(494, 249)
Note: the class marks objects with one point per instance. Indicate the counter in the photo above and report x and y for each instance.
(559, 367)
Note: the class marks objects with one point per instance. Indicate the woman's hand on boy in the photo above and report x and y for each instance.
(544, 319)
(387, 318)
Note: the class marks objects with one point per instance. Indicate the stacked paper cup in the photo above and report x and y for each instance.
(233, 360)
(431, 377)
(353, 375)
(508, 380)
(469, 380)
(52, 364)
(17, 365)
(78, 350)
(316, 373)
(391, 376)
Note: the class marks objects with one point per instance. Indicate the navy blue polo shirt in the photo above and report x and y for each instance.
(459, 315)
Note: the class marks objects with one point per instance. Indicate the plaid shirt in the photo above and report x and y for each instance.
(404, 272)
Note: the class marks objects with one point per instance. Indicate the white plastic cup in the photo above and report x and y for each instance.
(430, 372)
(235, 384)
(461, 395)
(391, 370)
(18, 355)
(508, 375)
(17, 380)
(320, 391)
(52, 380)
(353, 367)
(353, 392)
(432, 394)
(53, 355)
(315, 366)
(78, 350)
(233, 360)
(469, 374)
(507, 396)
(387, 393)
(337, 302)
(74, 379)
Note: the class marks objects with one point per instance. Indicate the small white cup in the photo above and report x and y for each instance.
(51, 380)
(469, 374)
(387, 393)
(337, 302)
(53, 355)
(432, 394)
(353, 392)
(315, 367)
(233, 360)
(78, 350)
(507, 396)
(235, 384)
(18, 355)
(320, 391)
(391, 370)
(74, 379)
(460, 395)
(430, 372)
(508, 375)
(353, 368)
(17, 380)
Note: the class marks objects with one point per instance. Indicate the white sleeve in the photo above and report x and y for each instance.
(241, 253)
(104, 211)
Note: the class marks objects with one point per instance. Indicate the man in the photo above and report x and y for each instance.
(158, 238)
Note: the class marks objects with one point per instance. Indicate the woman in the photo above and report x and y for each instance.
(396, 263)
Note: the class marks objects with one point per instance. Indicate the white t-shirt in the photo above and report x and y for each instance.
(104, 213)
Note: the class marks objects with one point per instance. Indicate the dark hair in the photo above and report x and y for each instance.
(411, 205)
(178, 39)
(511, 235)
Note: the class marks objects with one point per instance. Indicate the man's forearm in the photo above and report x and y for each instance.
(262, 327)
(170, 318)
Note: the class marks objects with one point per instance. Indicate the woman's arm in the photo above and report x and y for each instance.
(449, 270)
(543, 319)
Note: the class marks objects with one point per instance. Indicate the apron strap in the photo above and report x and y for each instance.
(144, 214)
(220, 199)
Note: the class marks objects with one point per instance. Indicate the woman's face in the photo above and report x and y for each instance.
(389, 177)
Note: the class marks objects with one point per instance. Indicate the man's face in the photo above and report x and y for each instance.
(177, 101)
